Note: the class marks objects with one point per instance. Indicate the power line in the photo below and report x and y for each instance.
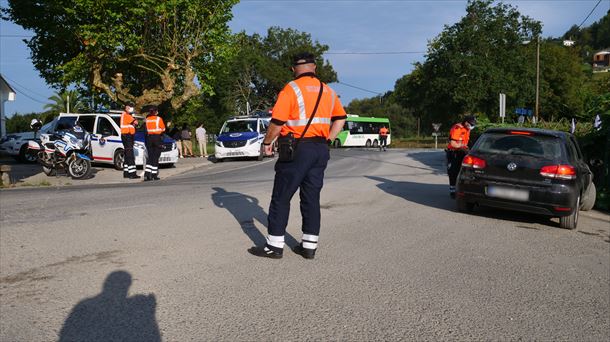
(588, 15)
(23, 89)
(355, 87)
(15, 36)
(31, 91)
(376, 53)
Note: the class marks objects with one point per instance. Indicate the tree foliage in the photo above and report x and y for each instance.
(64, 101)
(261, 68)
(146, 51)
(253, 74)
(402, 121)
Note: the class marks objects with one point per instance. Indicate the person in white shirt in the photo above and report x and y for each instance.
(202, 140)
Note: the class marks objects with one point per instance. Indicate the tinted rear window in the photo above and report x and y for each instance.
(535, 145)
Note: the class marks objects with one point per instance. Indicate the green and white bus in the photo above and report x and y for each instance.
(361, 131)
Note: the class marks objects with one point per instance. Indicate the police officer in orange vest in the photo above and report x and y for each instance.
(457, 148)
(383, 138)
(306, 116)
(155, 127)
(128, 131)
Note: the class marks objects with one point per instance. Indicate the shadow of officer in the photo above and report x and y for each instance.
(245, 209)
(112, 316)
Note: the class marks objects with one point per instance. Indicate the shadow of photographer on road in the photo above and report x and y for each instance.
(112, 315)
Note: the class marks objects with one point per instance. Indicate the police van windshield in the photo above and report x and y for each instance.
(239, 126)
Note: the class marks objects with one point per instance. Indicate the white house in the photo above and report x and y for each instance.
(6, 94)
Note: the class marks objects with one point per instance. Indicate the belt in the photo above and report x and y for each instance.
(321, 140)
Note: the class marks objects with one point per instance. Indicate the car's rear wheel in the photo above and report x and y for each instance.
(463, 206)
(571, 221)
(119, 159)
(26, 155)
(589, 200)
(337, 143)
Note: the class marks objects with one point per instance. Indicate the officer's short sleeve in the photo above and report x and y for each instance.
(338, 111)
(283, 106)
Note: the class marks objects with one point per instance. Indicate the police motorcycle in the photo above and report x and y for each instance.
(68, 149)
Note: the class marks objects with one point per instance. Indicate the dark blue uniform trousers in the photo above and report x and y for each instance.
(305, 172)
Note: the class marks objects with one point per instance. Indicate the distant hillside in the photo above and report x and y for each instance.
(592, 38)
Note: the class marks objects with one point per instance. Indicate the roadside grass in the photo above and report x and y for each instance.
(417, 142)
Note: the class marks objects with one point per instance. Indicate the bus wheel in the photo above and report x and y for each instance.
(375, 143)
(337, 143)
(368, 143)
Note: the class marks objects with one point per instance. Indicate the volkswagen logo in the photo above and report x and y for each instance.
(511, 167)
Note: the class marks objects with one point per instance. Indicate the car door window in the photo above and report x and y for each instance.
(87, 121)
(104, 127)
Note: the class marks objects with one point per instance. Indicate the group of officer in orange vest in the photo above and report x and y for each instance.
(155, 127)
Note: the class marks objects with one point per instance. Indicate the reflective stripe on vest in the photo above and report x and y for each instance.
(316, 120)
(156, 129)
(300, 100)
(302, 121)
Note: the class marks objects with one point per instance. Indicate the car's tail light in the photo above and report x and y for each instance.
(520, 133)
(473, 162)
(558, 171)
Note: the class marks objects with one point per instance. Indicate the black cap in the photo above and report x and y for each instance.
(152, 109)
(129, 103)
(470, 119)
(303, 58)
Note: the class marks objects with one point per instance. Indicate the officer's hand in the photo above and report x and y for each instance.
(268, 150)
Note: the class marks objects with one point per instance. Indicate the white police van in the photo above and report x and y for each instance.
(241, 136)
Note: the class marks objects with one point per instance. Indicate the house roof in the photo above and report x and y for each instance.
(4, 84)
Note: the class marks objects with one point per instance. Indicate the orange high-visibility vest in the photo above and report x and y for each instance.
(458, 133)
(127, 126)
(154, 125)
(383, 131)
(295, 104)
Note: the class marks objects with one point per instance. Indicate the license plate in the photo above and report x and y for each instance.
(165, 159)
(234, 154)
(508, 193)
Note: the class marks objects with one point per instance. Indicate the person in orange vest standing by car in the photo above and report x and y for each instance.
(457, 148)
(383, 138)
(155, 127)
(128, 131)
(306, 116)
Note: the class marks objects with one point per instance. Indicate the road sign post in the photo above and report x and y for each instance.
(502, 106)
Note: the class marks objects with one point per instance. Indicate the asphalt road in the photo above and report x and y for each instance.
(167, 260)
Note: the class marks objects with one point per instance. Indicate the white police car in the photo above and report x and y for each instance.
(241, 136)
(16, 144)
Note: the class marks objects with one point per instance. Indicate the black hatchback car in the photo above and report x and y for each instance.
(530, 170)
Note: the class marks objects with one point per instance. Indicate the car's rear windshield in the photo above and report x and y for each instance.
(239, 126)
(541, 146)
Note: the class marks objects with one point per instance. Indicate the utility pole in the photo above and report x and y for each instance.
(537, 78)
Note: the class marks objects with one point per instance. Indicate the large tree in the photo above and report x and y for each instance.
(472, 61)
(262, 66)
(146, 51)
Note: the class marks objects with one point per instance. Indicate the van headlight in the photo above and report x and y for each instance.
(218, 143)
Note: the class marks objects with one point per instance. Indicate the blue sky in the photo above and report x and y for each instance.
(345, 25)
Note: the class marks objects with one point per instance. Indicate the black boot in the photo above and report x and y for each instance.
(266, 252)
(134, 175)
(306, 253)
(126, 174)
